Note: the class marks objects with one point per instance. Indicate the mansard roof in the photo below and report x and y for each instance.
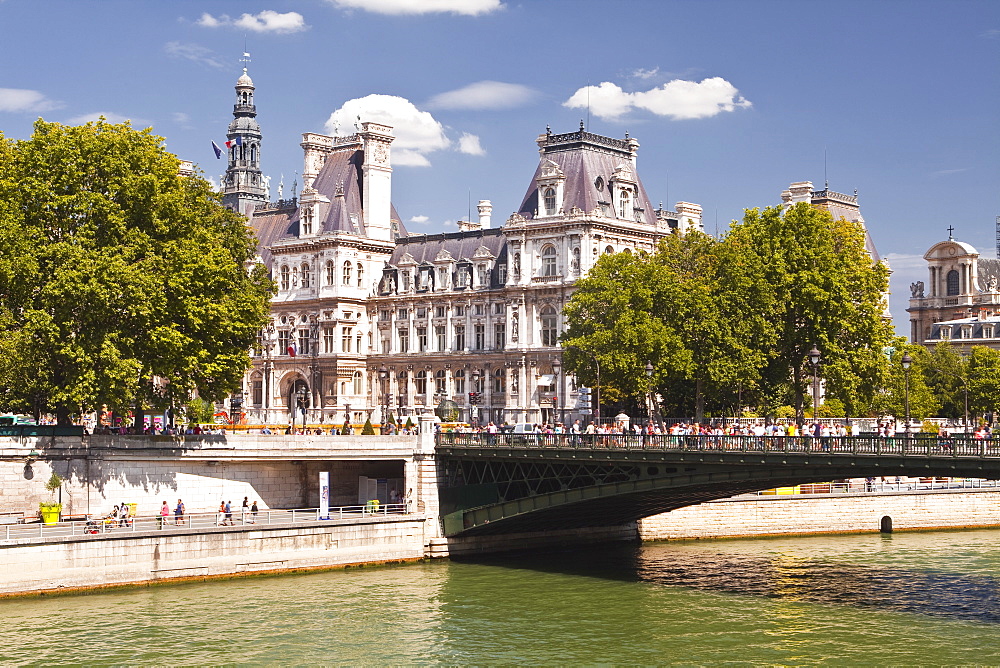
(583, 157)
(271, 224)
(460, 245)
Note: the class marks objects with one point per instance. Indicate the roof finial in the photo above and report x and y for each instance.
(246, 56)
(548, 129)
(950, 230)
(581, 125)
(626, 134)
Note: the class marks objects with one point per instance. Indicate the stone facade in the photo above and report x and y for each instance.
(960, 302)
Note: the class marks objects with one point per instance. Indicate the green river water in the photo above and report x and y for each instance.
(904, 599)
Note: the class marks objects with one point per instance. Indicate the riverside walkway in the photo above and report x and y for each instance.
(195, 522)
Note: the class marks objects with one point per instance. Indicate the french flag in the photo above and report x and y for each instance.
(292, 350)
(235, 142)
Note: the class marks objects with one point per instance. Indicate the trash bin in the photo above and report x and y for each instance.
(372, 506)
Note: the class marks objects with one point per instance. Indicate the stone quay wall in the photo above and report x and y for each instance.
(826, 513)
(89, 562)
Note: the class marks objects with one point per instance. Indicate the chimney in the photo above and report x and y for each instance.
(485, 212)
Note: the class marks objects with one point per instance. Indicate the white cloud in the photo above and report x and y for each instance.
(946, 172)
(265, 21)
(606, 101)
(641, 73)
(677, 99)
(109, 116)
(484, 95)
(24, 100)
(469, 144)
(417, 132)
(420, 220)
(466, 7)
(195, 53)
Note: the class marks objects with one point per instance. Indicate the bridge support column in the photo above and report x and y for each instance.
(422, 489)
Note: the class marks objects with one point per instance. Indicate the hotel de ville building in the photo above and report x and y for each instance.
(369, 318)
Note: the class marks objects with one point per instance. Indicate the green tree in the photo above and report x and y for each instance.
(984, 380)
(923, 401)
(816, 285)
(947, 374)
(121, 282)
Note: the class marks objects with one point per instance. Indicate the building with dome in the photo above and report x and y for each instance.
(960, 300)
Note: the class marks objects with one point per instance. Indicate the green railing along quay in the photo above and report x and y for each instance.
(501, 483)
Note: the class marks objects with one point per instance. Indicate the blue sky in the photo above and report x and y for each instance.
(730, 101)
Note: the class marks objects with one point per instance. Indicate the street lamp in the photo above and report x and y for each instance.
(649, 398)
(302, 395)
(473, 408)
(268, 368)
(906, 362)
(347, 420)
(383, 375)
(814, 357)
(556, 368)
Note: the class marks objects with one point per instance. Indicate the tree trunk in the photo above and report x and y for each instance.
(699, 400)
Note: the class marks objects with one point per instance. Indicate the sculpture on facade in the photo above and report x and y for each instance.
(917, 290)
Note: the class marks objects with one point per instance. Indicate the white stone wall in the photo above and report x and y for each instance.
(782, 515)
(95, 561)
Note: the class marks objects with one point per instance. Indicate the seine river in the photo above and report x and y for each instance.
(918, 598)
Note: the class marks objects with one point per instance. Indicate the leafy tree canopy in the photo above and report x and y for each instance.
(121, 282)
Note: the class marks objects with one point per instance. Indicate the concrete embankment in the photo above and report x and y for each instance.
(62, 564)
(827, 513)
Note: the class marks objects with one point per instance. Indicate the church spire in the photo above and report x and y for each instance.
(243, 187)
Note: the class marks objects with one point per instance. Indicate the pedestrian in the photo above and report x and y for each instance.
(253, 512)
(229, 513)
(164, 513)
(246, 507)
(123, 515)
(220, 519)
(179, 512)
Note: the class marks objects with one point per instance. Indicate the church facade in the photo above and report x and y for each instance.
(369, 318)
(960, 301)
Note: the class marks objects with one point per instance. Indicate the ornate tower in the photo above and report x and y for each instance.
(243, 187)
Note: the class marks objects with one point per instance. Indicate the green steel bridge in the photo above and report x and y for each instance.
(513, 483)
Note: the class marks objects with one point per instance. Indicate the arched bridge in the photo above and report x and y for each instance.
(511, 483)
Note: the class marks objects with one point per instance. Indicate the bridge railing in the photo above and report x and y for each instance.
(846, 445)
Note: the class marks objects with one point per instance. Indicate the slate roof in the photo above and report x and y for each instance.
(582, 158)
(271, 225)
(461, 245)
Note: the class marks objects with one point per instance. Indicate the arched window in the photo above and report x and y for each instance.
(286, 277)
(550, 201)
(306, 275)
(331, 272)
(439, 379)
(347, 273)
(624, 203)
(420, 382)
(361, 274)
(459, 377)
(550, 332)
(609, 251)
(952, 283)
(500, 381)
(549, 261)
(358, 388)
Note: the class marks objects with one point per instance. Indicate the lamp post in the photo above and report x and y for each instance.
(383, 375)
(314, 351)
(473, 408)
(906, 362)
(235, 407)
(556, 369)
(814, 357)
(347, 420)
(301, 395)
(268, 368)
(649, 391)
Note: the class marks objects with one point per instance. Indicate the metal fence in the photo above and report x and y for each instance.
(876, 486)
(196, 521)
(915, 446)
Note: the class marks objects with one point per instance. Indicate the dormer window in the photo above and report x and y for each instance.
(550, 201)
(405, 278)
(307, 221)
(624, 203)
